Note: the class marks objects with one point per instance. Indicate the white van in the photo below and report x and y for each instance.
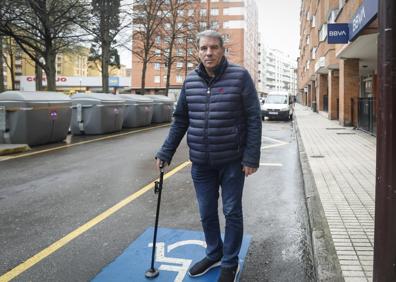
(278, 105)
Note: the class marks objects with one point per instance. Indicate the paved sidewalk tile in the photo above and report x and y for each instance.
(343, 162)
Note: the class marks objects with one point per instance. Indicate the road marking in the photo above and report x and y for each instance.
(82, 229)
(79, 143)
(270, 164)
(277, 143)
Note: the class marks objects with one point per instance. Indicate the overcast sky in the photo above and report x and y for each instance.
(279, 24)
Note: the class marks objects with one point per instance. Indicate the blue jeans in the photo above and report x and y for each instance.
(207, 181)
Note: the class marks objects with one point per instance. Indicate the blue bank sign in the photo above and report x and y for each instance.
(363, 16)
(337, 33)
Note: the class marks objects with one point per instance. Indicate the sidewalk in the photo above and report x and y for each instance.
(6, 149)
(342, 162)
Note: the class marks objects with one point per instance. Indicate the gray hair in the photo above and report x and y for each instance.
(211, 34)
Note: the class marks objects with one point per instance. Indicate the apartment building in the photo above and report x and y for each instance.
(237, 20)
(73, 70)
(277, 71)
(340, 79)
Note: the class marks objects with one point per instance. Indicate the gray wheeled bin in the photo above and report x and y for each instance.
(34, 118)
(96, 113)
(163, 108)
(138, 110)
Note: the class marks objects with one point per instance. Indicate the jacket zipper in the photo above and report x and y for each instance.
(207, 121)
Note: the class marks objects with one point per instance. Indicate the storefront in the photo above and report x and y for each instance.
(363, 37)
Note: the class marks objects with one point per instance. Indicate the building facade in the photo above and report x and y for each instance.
(277, 71)
(237, 20)
(73, 71)
(340, 79)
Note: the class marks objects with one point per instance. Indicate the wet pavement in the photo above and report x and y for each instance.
(275, 212)
(48, 195)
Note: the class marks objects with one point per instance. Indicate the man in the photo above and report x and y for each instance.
(219, 108)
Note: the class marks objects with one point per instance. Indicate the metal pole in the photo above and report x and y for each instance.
(385, 201)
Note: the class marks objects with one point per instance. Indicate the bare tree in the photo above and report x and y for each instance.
(43, 28)
(173, 32)
(148, 16)
(109, 18)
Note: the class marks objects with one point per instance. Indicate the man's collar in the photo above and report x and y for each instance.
(219, 69)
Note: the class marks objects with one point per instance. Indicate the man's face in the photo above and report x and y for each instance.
(210, 52)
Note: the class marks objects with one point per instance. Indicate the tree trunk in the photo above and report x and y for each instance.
(1, 65)
(12, 69)
(50, 71)
(105, 67)
(144, 69)
(168, 71)
(39, 75)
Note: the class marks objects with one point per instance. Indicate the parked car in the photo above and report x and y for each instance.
(278, 105)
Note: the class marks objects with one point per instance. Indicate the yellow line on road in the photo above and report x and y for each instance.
(79, 143)
(82, 229)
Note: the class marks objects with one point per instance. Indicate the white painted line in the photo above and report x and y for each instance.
(272, 146)
(270, 164)
(277, 143)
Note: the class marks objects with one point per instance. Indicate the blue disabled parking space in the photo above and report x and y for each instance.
(176, 251)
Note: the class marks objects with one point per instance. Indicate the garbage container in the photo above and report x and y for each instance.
(96, 113)
(162, 109)
(138, 110)
(34, 118)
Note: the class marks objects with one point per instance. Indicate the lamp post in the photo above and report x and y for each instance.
(80, 84)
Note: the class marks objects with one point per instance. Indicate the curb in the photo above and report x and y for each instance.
(326, 264)
(7, 149)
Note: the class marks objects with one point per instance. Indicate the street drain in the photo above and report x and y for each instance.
(317, 156)
(346, 133)
(335, 128)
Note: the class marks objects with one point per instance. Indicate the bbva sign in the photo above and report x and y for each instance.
(337, 33)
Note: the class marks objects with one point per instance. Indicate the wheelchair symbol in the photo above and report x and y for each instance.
(182, 265)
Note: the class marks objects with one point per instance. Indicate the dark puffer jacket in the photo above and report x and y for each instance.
(221, 116)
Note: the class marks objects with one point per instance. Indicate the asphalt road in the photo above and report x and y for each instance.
(50, 194)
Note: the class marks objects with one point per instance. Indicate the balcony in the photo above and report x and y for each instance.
(320, 66)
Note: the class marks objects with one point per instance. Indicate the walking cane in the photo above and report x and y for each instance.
(152, 272)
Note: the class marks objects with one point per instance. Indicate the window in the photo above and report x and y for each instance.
(190, 65)
(157, 66)
(313, 53)
(179, 78)
(157, 79)
(190, 12)
(157, 52)
(313, 21)
(158, 39)
(179, 52)
(323, 32)
(179, 65)
(202, 12)
(234, 24)
(214, 12)
(202, 25)
(226, 38)
(189, 51)
(234, 11)
(214, 25)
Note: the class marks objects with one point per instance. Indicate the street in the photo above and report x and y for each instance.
(50, 195)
